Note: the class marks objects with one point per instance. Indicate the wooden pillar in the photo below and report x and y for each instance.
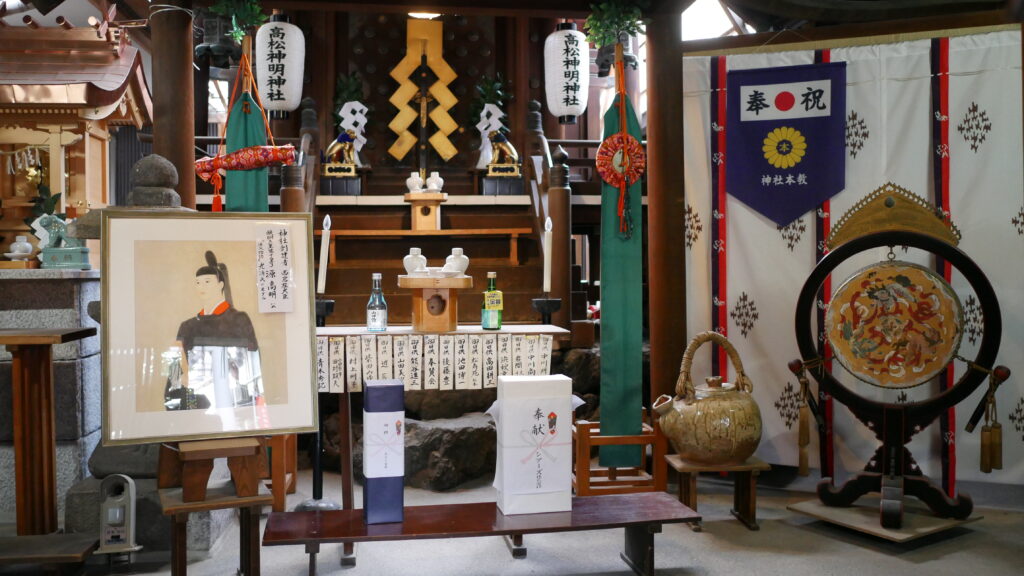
(560, 211)
(173, 106)
(58, 185)
(520, 76)
(34, 439)
(665, 200)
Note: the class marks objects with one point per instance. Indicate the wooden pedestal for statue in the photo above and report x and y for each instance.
(426, 209)
(435, 301)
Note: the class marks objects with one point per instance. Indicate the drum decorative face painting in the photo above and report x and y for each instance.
(894, 324)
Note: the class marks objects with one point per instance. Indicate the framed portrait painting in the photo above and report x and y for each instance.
(207, 326)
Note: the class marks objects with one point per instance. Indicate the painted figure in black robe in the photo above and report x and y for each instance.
(221, 349)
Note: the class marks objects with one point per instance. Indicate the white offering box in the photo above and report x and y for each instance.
(533, 417)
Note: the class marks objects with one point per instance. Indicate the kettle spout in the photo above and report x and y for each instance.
(663, 405)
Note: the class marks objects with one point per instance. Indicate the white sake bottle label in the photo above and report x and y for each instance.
(377, 320)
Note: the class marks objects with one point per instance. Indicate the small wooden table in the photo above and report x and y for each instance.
(218, 497)
(641, 514)
(35, 468)
(745, 486)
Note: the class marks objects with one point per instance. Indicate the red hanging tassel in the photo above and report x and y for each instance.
(218, 183)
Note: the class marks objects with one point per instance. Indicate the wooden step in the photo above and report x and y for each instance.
(357, 278)
(351, 308)
(398, 217)
(348, 247)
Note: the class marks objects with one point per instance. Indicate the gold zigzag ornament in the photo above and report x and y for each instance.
(893, 208)
(423, 37)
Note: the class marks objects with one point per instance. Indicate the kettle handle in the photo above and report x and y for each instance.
(684, 384)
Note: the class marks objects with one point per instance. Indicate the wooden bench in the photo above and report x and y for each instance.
(49, 550)
(641, 514)
(513, 235)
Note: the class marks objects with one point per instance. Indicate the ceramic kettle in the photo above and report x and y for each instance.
(717, 423)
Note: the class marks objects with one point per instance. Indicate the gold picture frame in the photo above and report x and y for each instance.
(207, 326)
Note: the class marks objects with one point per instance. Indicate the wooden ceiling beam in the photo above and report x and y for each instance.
(859, 10)
(533, 8)
(849, 31)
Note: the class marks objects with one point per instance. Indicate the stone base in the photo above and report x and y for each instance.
(153, 529)
(433, 404)
(76, 399)
(72, 463)
(439, 454)
(51, 299)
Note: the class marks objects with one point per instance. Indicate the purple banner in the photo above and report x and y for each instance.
(785, 153)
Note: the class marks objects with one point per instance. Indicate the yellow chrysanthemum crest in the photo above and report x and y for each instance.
(784, 147)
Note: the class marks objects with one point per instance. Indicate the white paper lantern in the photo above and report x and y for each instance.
(566, 72)
(280, 57)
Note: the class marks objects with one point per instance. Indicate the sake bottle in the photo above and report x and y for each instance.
(376, 308)
(490, 310)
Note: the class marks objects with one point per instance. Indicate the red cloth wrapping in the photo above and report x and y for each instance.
(244, 159)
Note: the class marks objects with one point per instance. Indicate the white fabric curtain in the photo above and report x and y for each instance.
(890, 120)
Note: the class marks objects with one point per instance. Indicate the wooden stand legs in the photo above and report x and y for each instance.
(515, 546)
(34, 438)
(249, 537)
(744, 506)
(639, 549)
(248, 542)
(179, 544)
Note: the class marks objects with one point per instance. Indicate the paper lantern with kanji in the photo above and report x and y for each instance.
(280, 56)
(566, 72)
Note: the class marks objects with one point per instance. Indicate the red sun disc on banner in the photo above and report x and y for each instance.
(621, 160)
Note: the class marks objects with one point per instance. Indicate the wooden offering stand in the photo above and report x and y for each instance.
(426, 209)
(744, 488)
(435, 301)
(188, 465)
(588, 481)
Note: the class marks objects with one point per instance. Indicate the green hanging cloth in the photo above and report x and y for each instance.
(246, 190)
(621, 162)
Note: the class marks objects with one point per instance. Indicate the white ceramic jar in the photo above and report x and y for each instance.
(415, 263)
(20, 249)
(414, 183)
(435, 182)
(457, 261)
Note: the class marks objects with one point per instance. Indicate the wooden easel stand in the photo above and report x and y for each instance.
(188, 465)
